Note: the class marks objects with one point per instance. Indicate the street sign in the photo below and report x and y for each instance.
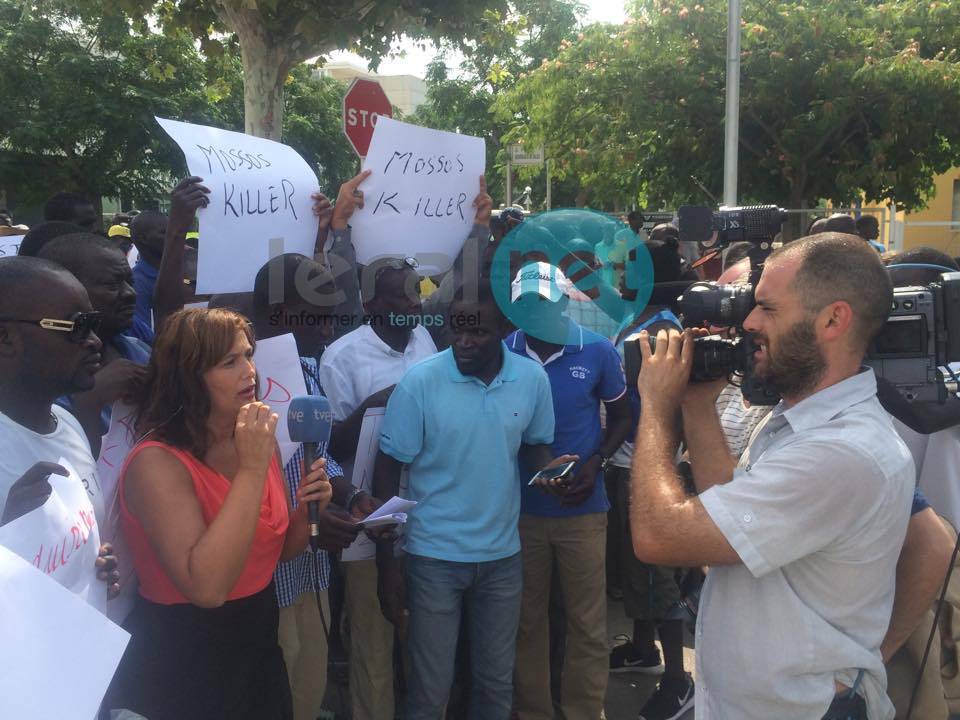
(519, 155)
(363, 103)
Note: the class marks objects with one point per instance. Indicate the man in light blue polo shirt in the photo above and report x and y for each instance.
(567, 529)
(458, 420)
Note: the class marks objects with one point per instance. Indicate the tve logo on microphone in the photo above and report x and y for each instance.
(310, 419)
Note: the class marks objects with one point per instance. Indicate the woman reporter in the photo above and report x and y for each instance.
(205, 514)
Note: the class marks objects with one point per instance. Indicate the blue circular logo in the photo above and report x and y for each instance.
(572, 265)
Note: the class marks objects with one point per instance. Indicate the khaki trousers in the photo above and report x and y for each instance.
(578, 544)
(304, 649)
(371, 644)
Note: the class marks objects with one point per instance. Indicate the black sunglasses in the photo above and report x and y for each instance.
(78, 327)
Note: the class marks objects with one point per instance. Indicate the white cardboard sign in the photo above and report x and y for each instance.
(418, 200)
(281, 380)
(10, 245)
(259, 207)
(57, 654)
(114, 448)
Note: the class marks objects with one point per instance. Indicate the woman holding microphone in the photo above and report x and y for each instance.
(204, 513)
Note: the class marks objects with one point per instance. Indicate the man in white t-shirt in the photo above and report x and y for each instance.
(358, 372)
(48, 348)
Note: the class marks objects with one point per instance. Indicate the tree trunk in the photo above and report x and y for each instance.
(265, 68)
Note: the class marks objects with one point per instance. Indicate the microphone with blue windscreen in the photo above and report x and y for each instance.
(309, 421)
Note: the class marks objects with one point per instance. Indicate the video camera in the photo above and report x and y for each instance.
(921, 336)
(725, 305)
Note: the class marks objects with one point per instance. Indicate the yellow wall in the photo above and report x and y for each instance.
(940, 209)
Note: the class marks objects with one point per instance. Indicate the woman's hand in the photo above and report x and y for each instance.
(316, 486)
(255, 436)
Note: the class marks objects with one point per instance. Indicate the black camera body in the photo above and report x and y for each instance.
(758, 224)
(921, 335)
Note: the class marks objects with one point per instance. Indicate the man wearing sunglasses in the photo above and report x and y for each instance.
(48, 348)
(104, 273)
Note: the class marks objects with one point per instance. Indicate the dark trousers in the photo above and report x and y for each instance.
(844, 707)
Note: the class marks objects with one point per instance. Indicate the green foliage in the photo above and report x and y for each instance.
(312, 125)
(837, 99)
(81, 92)
(79, 102)
(508, 44)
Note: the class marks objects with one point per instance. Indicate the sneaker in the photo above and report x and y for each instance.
(670, 700)
(624, 659)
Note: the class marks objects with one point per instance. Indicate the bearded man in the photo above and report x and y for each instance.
(802, 535)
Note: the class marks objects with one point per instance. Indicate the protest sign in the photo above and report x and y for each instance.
(61, 538)
(10, 245)
(57, 654)
(418, 200)
(114, 448)
(259, 207)
(281, 380)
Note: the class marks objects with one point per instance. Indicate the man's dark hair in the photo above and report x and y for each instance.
(735, 253)
(836, 223)
(841, 266)
(667, 265)
(76, 252)
(635, 219)
(40, 235)
(62, 205)
(867, 221)
(924, 256)
(141, 221)
(287, 267)
(481, 293)
(21, 278)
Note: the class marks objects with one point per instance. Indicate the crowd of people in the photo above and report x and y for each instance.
(549, 485)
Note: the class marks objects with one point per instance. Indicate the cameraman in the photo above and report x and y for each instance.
(804, 532)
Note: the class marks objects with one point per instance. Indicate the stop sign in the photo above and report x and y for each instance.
(364, 102)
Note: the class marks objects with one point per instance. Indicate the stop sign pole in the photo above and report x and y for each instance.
(363, 103)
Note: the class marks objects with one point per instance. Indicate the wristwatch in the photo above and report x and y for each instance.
(604, 461)
(352, 497)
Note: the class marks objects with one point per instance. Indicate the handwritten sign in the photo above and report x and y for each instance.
(61, 538)
(114, 448)
(418, 201)
(10, 245)
(57, 654)
(281, 380)
(259, 207)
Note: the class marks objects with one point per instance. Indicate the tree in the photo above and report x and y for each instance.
(838, 100)
(276, 35)
(508, 44)
(79, 102)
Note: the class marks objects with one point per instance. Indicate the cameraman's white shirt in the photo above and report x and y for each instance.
(817, 511)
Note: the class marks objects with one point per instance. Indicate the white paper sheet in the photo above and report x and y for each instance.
(260, 203)
(418, 201)
(57, 654)
(281, 380)
(9, 245)
(114, 448)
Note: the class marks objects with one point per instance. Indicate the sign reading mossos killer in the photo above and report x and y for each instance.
(364, 102)
(259, 207)
(418, 199)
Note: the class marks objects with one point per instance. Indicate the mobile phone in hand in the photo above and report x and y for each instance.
(555, 473)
